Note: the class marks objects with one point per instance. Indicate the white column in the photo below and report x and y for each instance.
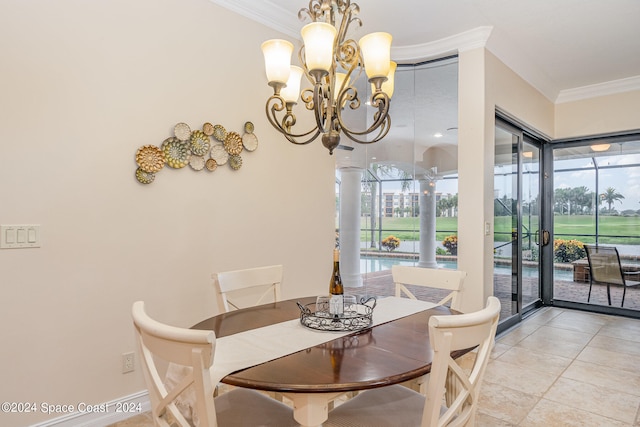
(350, 226)
(428, 223)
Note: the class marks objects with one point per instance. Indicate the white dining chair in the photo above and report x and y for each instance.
(246, 288)
(435, 278)
(160, 344)
(399, 406)
(249, 287)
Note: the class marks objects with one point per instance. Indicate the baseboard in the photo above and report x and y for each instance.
(114, 411)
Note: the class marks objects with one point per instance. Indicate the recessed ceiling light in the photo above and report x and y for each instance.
(437, 135)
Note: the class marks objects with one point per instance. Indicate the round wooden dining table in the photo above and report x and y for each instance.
(383, 355)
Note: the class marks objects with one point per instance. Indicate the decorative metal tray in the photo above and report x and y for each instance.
(356, 316)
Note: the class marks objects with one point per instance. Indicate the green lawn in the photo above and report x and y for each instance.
(566, 227)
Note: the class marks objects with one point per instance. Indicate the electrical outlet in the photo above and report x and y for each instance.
(127, 362)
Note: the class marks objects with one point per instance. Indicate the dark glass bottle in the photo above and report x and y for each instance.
(336, 290)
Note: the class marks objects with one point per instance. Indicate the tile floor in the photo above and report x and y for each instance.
(557, 368)
(564, 368)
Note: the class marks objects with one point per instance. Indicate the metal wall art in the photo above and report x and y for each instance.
(202, 150)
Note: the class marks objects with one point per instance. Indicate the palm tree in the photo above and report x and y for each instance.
(610, 196)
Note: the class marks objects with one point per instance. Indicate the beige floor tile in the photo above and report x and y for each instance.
(515, 377)
(616, 344)
(604, 376)
(141, 420)
(559, 342)
(601, 356)
(578, 321)
(513, 338)
(598, 400)
(518, 333)
(552, 414)
(484, 420)
(499, 349)
(504, 403)
(535, 360)
(558, 334)
(544, 315)
(625, 330)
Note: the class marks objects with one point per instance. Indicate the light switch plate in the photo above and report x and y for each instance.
(20, 236)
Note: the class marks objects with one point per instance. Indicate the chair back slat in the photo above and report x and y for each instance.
(436, 278)
(191, 349)
(263, 283)
(462, 388)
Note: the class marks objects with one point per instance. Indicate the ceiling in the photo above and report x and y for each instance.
(567, 49)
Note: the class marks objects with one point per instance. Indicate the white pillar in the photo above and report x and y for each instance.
(350, 185)
(428, 223)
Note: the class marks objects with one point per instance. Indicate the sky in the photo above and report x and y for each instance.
(625, 181)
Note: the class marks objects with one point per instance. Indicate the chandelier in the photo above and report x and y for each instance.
(332, 63)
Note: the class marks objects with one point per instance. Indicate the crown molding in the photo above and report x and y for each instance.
(268, 13)
(272, 15)
(467, 40)
(601, 89)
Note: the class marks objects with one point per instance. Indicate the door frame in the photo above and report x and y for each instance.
(516, 265)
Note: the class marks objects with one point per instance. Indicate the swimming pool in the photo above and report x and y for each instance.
(372, 264)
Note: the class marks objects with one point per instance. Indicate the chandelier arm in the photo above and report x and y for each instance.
(348, 56)
(322, 108)
(275, 104)
(344, 26)
(291, 138)
(381, 118)
(384, 130)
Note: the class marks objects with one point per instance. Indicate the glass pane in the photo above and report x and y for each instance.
(597, 202)
(530, 219)
(505, 222)
(407, 197)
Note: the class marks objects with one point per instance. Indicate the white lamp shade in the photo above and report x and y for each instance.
(339, 80)
(318, 38)
(389, 84)
(291, 91)
(376, 53)
(277, 60)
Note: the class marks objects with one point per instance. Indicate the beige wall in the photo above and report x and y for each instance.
(603, 114)
(485, 83)
(474, 160)
(84, 84)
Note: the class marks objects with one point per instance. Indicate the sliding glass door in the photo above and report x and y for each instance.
(517, 233)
